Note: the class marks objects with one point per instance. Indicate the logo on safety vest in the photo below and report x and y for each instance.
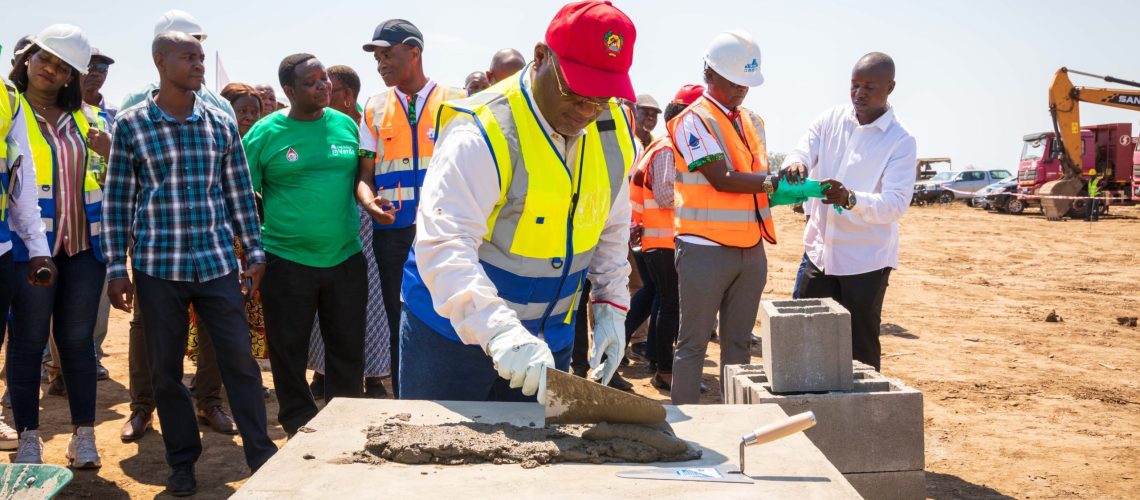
(694, 141)
(292, 155)
(614, 43)
(431, 134)
(752, 66)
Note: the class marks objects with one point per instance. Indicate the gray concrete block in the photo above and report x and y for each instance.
(900, 485)
(877, 427)
(731, 390)
(806, 345)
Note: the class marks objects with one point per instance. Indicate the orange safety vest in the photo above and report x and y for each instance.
(657, 222)
(403, 150)
(730, 219)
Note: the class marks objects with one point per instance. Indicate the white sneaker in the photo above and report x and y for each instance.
(31, 449)
(9, 438)
(81, 452)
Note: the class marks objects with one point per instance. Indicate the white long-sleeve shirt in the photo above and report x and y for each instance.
(460, 191)
(876, 162)
(24, 208)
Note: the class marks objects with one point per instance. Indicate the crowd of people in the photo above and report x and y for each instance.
(459, 241)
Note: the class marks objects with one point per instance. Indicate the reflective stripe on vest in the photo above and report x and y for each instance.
(550, 214)
(46, 171)
(657, 222)
(403, 152)
(730, 219)
(9, 107)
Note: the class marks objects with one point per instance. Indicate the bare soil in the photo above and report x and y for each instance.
(1015, 406)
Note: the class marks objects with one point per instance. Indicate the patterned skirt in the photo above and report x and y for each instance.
(254, 316)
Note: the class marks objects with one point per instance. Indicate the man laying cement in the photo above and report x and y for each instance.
(498, 264)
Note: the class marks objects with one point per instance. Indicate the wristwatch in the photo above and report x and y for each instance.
(850, 200)
(769, 185)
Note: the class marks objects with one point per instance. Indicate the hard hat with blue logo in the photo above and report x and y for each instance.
(735, 55)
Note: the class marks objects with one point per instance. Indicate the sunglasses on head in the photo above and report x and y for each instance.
(98, 67)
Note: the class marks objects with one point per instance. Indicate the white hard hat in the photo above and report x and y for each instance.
(180, 21)
(735, 55)
(68, 43)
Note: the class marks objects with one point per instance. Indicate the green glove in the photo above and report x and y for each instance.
(790, 194)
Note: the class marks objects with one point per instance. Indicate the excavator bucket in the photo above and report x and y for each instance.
(1055, 209)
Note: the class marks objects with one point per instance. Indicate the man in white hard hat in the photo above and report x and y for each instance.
(181, 22)
(207, 378)
(721, 212)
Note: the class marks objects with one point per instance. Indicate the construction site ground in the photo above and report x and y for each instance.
(1014, 406)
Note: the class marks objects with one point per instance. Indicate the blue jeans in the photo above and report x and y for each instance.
(69, 308)
(437, 368)
(799, 277)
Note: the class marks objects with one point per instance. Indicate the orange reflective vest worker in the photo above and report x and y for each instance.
(651, 197)
(397, 139)
(721, 213)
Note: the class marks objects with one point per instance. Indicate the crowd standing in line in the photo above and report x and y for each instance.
(460, 242)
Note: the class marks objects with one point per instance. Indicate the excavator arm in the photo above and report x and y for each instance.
(1064, 107)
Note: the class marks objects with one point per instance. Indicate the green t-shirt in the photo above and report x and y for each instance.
(306, 172)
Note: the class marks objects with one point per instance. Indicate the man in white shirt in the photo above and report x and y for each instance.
(867, 157)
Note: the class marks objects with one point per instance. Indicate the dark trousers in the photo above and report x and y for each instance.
(7, 285)
(666, 319)
(799, 277)
(221, 309)
(392, 247)
(862, 296)
(207, 378)
(580, 350)
(642, 306)
(293, 295)
(67, 309)
(442, 369)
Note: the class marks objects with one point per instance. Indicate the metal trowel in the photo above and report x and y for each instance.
(728, 473)
(575, 400)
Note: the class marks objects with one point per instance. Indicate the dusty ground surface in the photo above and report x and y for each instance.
(1015, 406)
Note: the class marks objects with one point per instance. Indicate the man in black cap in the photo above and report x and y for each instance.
(397, 139)
(93, 82)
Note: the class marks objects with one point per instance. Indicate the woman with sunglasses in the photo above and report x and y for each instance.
(67, 139)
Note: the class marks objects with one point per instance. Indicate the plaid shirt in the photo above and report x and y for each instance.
(181, 191)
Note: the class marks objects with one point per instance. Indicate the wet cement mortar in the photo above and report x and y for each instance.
(461, 443)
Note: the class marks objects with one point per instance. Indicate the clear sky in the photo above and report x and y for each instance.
(972, 75)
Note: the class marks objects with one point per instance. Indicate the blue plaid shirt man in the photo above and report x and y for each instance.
(181, 192)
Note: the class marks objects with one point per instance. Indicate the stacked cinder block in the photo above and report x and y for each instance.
(869, 426)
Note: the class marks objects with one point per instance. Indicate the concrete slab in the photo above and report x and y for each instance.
(901, 485)
(789, 468)
(806, 345)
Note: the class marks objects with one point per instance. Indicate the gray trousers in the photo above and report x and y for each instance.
(712, 280)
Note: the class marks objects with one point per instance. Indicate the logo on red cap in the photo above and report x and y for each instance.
(614, 43)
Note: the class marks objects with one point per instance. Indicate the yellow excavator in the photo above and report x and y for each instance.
(1064, 107)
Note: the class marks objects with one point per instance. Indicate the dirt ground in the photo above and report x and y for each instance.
(1014, 406)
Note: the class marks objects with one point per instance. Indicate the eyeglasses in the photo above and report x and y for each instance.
(599, 103)
(98, 67)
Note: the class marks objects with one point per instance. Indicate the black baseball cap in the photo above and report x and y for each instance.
(395, 31)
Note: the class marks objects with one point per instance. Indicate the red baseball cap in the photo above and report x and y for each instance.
(594, 44)
(688, 94)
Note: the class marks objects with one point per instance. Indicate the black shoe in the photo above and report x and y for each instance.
(181, 482)
(57, 388)
(375, 389)
(579, 371)
(660, 383)
(640, 350)
(704, 388)
(619, 383)
(318, 386)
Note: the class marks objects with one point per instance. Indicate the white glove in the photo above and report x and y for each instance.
(521, 358)
(608, 341)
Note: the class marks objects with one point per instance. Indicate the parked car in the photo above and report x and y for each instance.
(1000, 196)
(949, 186)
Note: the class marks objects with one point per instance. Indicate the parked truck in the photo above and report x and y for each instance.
(1108, 152)
(1102, 154)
